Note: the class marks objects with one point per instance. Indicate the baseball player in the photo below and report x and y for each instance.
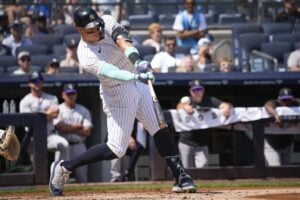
(105, 50)
(39, 101)
(74, 124)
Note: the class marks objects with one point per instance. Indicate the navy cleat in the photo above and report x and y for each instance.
(58, 177)
(185, 184)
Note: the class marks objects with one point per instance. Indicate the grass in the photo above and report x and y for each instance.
(157, 186)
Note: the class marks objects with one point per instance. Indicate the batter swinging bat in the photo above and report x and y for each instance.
(158, 111)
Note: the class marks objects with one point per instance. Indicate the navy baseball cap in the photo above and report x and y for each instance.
(69, 88)
(36, 77)
(196, 86)
(285, 94)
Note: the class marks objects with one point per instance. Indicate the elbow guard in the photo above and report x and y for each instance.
(121, 33)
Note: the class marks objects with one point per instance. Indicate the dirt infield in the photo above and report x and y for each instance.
(236, 193)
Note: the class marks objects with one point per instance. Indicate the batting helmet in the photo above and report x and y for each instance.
(86, 17)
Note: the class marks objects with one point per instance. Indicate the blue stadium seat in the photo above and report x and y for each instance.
(140, 22)
(7, 61)
(68, 70)
(166, 7)
(41, 60)
(276, 28)
(34, 49)
(75, 36)
(47, 39)
(228, 18)
(285, 37)
(145, 50)
(249, 42)
(64, 29)
(183, 50)
(277, 49)
(166, 21)
(237, 30)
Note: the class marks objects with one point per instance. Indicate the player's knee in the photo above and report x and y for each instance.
(118, 151)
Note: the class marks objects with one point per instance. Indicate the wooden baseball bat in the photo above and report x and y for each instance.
(157, 108)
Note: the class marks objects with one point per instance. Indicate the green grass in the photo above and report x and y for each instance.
(157, 186)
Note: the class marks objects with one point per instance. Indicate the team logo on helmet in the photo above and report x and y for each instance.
(92, 17)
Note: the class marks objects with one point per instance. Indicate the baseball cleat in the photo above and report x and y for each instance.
(58, 177)
(185, 184)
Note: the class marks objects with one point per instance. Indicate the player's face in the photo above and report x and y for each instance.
(69, 98)
(36, 87)
(197, 93)
(90, 35)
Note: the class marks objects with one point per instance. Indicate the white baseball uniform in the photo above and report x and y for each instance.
(32, 104)
(77, 115)
(122, 101)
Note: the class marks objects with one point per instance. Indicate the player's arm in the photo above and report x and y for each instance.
(123, 40)
(270, 109)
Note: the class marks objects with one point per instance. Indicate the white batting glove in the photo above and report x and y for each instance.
(144, 77)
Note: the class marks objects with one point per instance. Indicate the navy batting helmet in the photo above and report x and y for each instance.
(86, 17)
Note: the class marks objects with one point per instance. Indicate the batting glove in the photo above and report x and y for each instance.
(143, 66)
(144, 77)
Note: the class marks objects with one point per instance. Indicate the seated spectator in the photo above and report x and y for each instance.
(204, 55)
(16, 38)
(126, 24)
(190, 26)
(293, 62)
(225, 65)
(71, 59)
(278, 148)
(52, 67)
(40, 25)
(193, 145)
(155, 40)
(24, 62)
(187, 65)
(290, 13)
(168, 59)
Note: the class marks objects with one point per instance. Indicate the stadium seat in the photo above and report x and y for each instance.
(277, 50)
(166, 7)
(140, 22)
(231, 18)
(249, 42)
(285, 37)
(275, 28)
(64, 29)
(34, 49)
(68, 70)
(7, 61)
(41, 60)
(47, 39)
(146, 50)
(183, 50)
(141, 37)
(237, 30)
(166, 21)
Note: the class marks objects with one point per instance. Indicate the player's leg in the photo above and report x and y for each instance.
(201, 156)
(120, 118)
(146, 114)
(187, 155)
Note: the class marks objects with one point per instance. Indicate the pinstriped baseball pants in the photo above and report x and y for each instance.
(122, 104)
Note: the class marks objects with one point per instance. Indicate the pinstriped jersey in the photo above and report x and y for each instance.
(105, 50)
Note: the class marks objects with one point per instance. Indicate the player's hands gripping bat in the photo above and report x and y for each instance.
(157, 108)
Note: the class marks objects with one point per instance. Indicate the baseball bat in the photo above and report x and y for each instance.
(157, 108)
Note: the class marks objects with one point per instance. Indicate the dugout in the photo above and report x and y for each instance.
(242, 89)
